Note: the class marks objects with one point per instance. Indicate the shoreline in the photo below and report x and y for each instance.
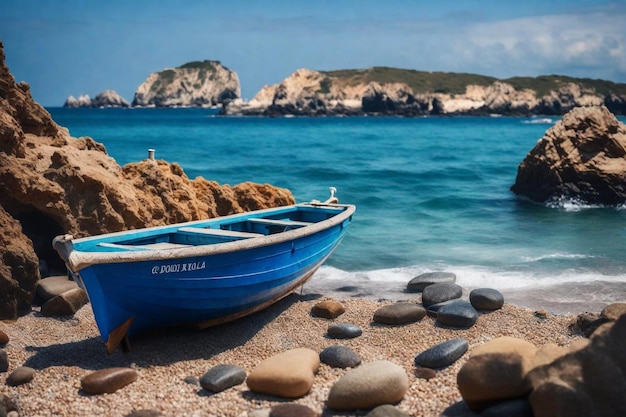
(64, 350)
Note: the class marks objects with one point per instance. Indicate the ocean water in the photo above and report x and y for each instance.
(432, 194)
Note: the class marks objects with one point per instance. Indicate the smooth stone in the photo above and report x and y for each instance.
(291, 410)
(20, 376)
(614, 311)
(65, 304)
(4, 361)
(438, 293)
(340, 357)
(50, 287)
(399, 313)
(222, 377)
(288, 375)
(460, 314)
(144, 413)
(496, 371)
(368, 386)
(260, 412)
(191, 380)
(486, 299)
(108, 380)
(433, 309)
(514, 408)
(386, 410)
(328, 309)
(344, 331)
(4, 338)
(425, 373)
(442, 355)
(422, 281)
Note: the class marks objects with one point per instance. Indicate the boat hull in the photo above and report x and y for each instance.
(205, 289)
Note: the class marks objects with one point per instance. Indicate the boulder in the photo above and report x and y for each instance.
(65, 304)
(589, 380)
(421, 281)
(486, 299)
(50, 287)
(288, 375)
(496, 371)
(438, 293)
(368, 386)
(54, 184)
(399, 313)
(581, 158)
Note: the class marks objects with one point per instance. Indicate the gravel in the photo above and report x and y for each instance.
(64, 350)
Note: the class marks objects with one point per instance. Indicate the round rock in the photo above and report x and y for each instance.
(368, 386)
(422, 281)
(386, 410)
(328, 309)
(20, 376)
(460, 314)
(443, 354)
(50, 287)
(486, 299)
(344, 331)
(108, 380)
(438, 293)
(222, 377)
(4, 338)
(291, 410)
(433, 309)
(4, 361)
(399, 313)
(340, 357)
(288, 375)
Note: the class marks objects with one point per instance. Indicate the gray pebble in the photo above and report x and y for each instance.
(486, 299)
(460, 314)
(340, 357)
(442, 355)
(422, 281)
(222, 377)
(344, 331)
(438, 293)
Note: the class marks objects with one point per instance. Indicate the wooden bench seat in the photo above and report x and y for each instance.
(219, 232)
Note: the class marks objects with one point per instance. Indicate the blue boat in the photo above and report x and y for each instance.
(203, 272)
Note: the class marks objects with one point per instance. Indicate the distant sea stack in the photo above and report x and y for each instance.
(394, 91)
(108, 98)
(195, 84)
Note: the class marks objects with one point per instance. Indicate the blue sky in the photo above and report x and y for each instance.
(75, 47)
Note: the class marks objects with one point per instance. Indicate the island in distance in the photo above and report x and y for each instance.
(371, 91)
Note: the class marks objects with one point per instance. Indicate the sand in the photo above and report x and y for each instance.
(64, 350)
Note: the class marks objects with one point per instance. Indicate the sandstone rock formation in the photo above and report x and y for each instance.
(53, 183)
(108, 98)
(195, 84)
(394, 91)
(581, 158)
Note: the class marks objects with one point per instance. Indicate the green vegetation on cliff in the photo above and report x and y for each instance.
(456, 83)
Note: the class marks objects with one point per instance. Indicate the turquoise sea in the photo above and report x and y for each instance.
(432, 194)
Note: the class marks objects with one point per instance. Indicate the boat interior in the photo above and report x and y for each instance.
(219, 231)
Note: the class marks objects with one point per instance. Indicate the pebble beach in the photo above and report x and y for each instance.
(170, 362)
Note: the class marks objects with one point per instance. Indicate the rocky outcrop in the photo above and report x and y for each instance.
(53, 183)
(582, 158)
(108, 98)
(195, 84)
(392, 91)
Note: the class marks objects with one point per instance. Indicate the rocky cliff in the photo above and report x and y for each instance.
(392, 91)
(195, 84)
(52, 183)
(108, 98)
(582, 158)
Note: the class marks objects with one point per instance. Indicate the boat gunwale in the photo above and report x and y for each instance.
(77, 260)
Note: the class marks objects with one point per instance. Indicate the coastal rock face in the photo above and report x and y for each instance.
(53, 184)
(581, 158)
(195, 84)
(108, 98)
(393, 91)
